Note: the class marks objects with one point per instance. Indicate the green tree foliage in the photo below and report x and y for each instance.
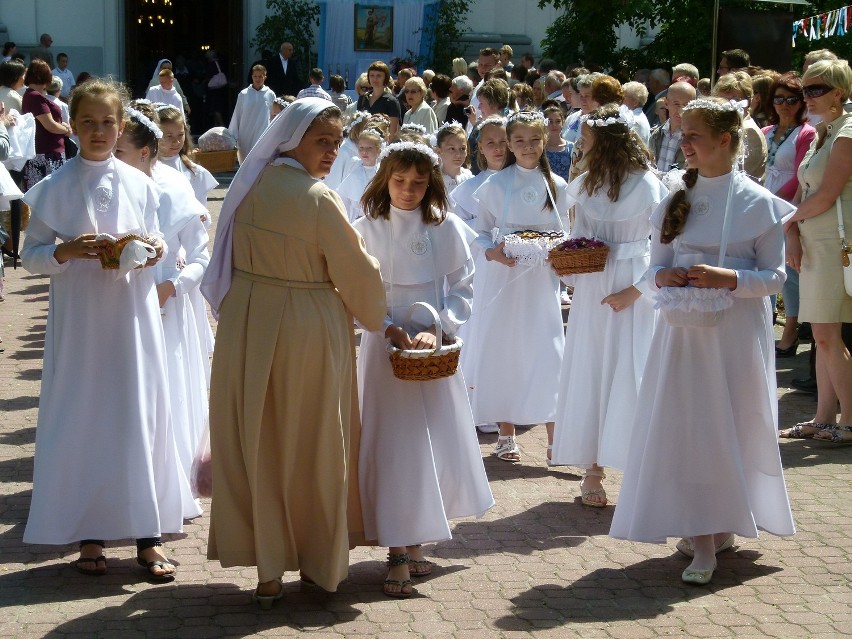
(288, 21)
(443, 30)
(585, 31)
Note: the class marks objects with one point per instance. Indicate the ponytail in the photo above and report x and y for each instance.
(678, 210)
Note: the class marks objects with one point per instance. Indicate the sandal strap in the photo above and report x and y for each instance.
(594, 472)
(398, 559)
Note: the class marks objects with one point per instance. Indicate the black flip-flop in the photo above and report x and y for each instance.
(157, 563)
(96, 572)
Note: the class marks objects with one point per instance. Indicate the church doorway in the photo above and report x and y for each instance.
(184, 31)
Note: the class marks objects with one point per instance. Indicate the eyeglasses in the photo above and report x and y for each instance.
(790, 100)
(816, 90)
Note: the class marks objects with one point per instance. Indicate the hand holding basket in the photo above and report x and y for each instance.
(426, 364)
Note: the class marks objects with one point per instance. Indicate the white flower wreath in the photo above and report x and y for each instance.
(410, 146)
(144, 120)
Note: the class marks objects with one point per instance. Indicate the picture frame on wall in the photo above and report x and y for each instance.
(373, 27)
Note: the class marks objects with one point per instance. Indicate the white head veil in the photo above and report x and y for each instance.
(155, 79)
(283, 134)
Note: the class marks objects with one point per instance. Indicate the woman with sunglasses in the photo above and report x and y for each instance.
(419, 111)
(813, 247)
(788, 138)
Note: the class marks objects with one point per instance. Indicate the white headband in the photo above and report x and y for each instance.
(492, 119)
(433, 139)
(281, 102)
(712, 105)
(145, 121)
(358, 117)
(526, 117)
(601, 122)
(142, 101)
(411, 126)
(410, 146)
(164, 107)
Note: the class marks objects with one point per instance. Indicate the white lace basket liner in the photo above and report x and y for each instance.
(688, 306)
(426, 364)
(532, 247)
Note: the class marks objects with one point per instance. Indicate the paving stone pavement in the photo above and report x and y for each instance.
(537, 565)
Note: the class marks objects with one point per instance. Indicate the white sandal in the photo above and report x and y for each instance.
(507, 449)
(594, 492)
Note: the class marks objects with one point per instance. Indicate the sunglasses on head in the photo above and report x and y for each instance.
(816, 90)
(790, 100)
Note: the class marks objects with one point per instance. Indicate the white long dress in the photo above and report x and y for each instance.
(450, 182)
(187, 358)
(704, 456)
(202, 182)
(352, 188)
(605, 352)
(514, 340)
(251, 117)
(420, 463)
(165, 96)
(461, 197)
(105, 462)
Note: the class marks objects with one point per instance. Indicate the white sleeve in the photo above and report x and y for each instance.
(769, 277)
(39, 247)
(458, 299)
(193, 237)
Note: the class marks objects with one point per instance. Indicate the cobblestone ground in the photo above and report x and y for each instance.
(537, 565)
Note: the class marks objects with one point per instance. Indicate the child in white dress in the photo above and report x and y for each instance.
(105, 462)
(513, 353)
(420, 463)
(703, 461)
(352, 188)
(450, 143)
(179, 272)
(348, 150)
(610, 329)
(491, 152)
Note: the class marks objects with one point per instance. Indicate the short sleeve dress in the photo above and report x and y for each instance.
(823, 296)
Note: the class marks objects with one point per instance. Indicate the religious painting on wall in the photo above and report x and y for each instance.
(373, 27)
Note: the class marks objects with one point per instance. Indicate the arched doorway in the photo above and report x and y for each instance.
(185, 29)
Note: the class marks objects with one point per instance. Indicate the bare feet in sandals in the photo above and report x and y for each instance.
(805, 430)
(398, 582)
(159, 568)
(592, 492)
(91, 560)
(418, 565)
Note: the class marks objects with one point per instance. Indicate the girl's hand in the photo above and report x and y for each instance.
(705, 276)
(399, 337)
(158, 245)
(84, 247)
(793, 250)
(425, 340)
(671, 277)
(621, 300)
(496, 254)
(165, 290)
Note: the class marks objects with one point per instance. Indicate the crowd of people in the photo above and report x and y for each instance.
(395, 212)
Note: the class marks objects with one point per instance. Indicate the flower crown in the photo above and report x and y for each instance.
(371, 130)
(164, 107)
(433, 139)
(281, 102)
(601, 122)
(410, 146)
(412, 126)
(526, 117)
(496, 120)
(144, 120)
(359, 116)
(712, 105)
(142, 101)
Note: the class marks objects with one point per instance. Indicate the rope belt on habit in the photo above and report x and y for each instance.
(276, 282)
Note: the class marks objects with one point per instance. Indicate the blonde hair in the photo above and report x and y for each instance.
(173, 115)
(834, 73)
(99, 89)
(543, 165)
(736, 81)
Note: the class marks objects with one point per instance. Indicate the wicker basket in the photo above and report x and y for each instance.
(425, 365)
(111, 257)
(577, 261)
(217, 161)
(6, 218)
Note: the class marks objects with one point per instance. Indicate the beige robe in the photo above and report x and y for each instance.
(283, 405)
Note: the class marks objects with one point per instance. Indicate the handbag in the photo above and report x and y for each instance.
(219, 80)
(845, 250)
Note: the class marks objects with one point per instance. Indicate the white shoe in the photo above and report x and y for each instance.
(488, 428)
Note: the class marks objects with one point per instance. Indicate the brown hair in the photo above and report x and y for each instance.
(617, 151)
(326, 115)
(378, 65)
(447, 131)
(259, 67)
(606, 89)
(38, 73)
(720, 122)
(543, 165)
(99, 89)
(481, 160)
(173, 115)
(496, 91)
(376, 200)
(139, 134)
(792, 82)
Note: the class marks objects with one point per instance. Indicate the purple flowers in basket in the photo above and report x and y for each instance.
(576, 243)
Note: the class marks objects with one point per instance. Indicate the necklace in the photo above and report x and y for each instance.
(775, 143)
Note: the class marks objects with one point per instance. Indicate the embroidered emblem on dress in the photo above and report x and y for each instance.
(102, 199)
(419, 244)
(530, 196)
(701, 206)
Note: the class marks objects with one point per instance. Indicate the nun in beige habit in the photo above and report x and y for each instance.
(287, 275)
